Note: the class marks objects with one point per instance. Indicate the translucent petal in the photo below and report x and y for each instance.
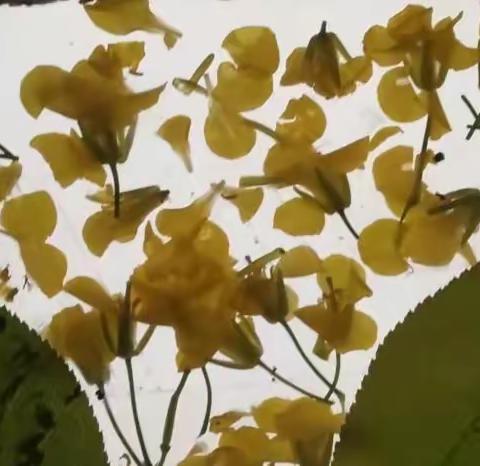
(294, 72)
(300, 261)
(89, 291)
(348, 277)
(284, 158)
(253, 47)
(382, 135)
(9, 176)
(410, 23)
(299, 217)
(69, 158)
(306, 418)
(78, 336)
(98, 232)
(266, 412)
(253, 442)
(125, 16)
(362, 335)
(381, 47)
(302, 121)
(379, 248)
(225, 421)
(30, 216)
(186, 220)
(347, 158)
(45, 264)
(398, 98)
(226, 134)
(247, 201)
(176, 131)
(240, 89)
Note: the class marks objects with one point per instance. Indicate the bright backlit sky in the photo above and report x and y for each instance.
(61, 34)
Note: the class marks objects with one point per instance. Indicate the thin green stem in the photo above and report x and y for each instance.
(116, 190)
(228, 364)
(336, 376)
(288, 383)
(208, 408)
(117, 429)
(262, 128)
(136, 419)
(309, 363)
(170, 419)
(144, 340)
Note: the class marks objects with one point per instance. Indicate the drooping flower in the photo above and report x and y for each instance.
(326, 66)
(125, 16)
(30, 220)
(102, 228)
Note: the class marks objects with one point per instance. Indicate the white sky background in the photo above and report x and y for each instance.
(61, 34)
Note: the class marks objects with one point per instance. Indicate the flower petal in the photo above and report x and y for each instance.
(69, 158)
(151, 242)
(303, 121)
(398, 98)
(247, 201)
(299, 262)
(240, 89)
(225, 421)
(31, 216)
(226, 133)
(379, 249)
(299, 217)
(381, 47)
(89, 291)
(362, 335)
(382, 135)
(46, 264)
(253, 47)
(294, 72)
(266, 412)
(176, 131)
(9, 176)
(347, 158)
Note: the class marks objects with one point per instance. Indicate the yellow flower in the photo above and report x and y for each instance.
(227, 456)
(125, 16)
(426, 53)
(30, 220)
(102, 228)
(326, 66)
(175, 132)
(306, 424)
(188, 282)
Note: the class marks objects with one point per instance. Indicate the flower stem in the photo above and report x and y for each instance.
(262, 128)
(208, 409)
(144, 340)
(336, 376)
(117, 429)
(347, 223)
(116, 190)
(170, 418)
(420, 164)
(273, 372)
(136, 419)
(6, 154)
(309, 363)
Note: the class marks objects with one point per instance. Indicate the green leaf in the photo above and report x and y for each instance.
(45, 419)
(419, 405)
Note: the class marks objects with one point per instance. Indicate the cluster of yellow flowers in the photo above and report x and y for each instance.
(189, 281)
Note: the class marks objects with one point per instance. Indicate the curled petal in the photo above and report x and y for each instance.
(92, 293)
(151, 242)
(69, 158)
(379, 248)
(176, 131)
(398, 98)
(299, 217)
(46, 264)
(382, 135)
(253, 47)
(381, 47)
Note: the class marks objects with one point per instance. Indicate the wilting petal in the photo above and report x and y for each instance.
(382, 135)
(381, 47)
(31, 216)
(294, 72)
(78, 336)
(347, 158)
(89, 291)
(379, 247)
(247, 201)
(69, 158)
(240, 89)
(226, 133)
(9, 176)
(300, 261)
(176, 131)
(125, 16)
(303, 121)
(398, 98)
(299, 217)
(46, 264)
(253, 47)
(346, 275)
